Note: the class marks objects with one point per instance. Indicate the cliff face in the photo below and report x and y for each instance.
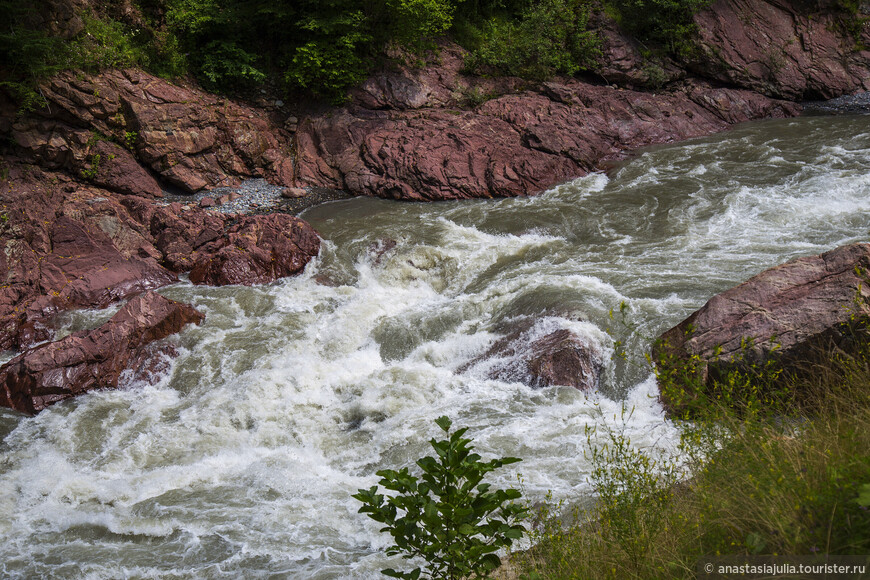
(83, 224)
(406, 137)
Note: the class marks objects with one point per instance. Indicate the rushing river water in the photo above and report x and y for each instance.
(241, 462)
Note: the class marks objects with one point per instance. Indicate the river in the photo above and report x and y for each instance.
(241, 460)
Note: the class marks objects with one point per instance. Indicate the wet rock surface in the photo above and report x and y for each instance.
(93, 359)
(559, 358)
(74, 245)
(256, 250)
(791, 313)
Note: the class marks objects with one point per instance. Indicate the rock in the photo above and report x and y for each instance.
(117, 170)
(513, 145)
(623, 62)
(67, 245)
(257, 250)
(790, 313)
(792, 50)
(206, 202)
(91, 359)
(562, 358)
(188, 138)
(73, 245)
(557, 358)
(85, 269)
(293, 192)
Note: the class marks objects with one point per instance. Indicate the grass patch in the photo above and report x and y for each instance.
(745, 483)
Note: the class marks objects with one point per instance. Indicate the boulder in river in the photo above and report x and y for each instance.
(790, 314)
(557, 358)
(257, 250)
(92, 359)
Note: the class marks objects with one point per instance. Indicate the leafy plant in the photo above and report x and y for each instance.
(92, 171)
(130, 138)
(634, 490)
(550, 37)
(447, 516)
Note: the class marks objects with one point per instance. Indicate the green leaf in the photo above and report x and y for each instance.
(444, 422)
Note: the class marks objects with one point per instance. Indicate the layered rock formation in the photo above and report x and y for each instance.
(92, 359)
(791, 50)
(72, 245)
(516, 144)
(792, 314)
(257, 250)
(185, 137)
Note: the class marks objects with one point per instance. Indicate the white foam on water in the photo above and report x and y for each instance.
(241, 461)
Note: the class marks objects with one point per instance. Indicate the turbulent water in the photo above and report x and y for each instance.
(241, 461)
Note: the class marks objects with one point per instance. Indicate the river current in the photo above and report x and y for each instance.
(240, 462)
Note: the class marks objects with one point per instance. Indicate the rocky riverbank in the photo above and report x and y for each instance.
(94, 183)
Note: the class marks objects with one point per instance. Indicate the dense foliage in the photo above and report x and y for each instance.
(549, 37)
(448, 516)
(668, 22)
(323, 46)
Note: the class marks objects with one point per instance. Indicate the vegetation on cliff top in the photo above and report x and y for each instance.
(323, 46)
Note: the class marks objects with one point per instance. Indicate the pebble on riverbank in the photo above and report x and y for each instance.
(257, 196)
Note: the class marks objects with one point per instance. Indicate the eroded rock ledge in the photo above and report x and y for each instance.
(93, 359)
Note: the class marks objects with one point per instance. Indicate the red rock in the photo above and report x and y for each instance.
(223, 200)
(86, 270)
(257, 250)
(188, 138)
(206, 202)
(513, 145)
(67, 246)
(793, 50)
(91, 359)
(790, 313)
(117, 170)
(558, 358)
(561, 358)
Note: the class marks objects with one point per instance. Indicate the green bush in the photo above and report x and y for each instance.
(415, 21)
(28, 54)
(550, 37)
(447, 516)
(666, 22)
(104, 43)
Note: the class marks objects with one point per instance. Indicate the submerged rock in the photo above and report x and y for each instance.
(792, 313)
(92, 359)
(559, 358)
